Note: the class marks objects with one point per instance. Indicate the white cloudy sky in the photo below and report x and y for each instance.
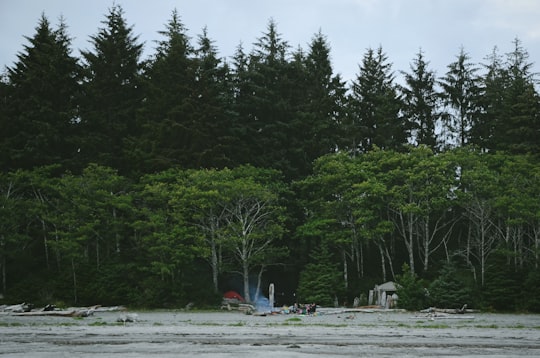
(401, 27)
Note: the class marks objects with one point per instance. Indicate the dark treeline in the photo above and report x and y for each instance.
(168, 180)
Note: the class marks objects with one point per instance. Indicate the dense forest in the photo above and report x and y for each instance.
(162, 181)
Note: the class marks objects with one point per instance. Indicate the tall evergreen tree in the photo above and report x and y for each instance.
(524, 101)
(460, 89)
(38, 100)
(112, 93)
(269, 103)
(243, 128)
(164, 117)
(490, 102)
(322, 108)
(374, 106)
(421, 102)
(213, 144)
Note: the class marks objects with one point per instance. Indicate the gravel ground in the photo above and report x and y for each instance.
(233, 334)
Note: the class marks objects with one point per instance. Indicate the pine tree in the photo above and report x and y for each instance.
(243, 127)
(38, 98)
(421, 102)
(112, 93)
(518, 131)
(460, 90)
(490, 102)
(270, 109)
(322, 108)
(510, 104)
(165, 116)
(374, 106)
(213, 143)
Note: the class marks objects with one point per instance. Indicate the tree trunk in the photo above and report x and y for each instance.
(215, 264)
(427, 241)
(345, 269)
(259, 282)
(383, 262)
(74, 281)
(45, 243)
(390, 263)
(3, 264)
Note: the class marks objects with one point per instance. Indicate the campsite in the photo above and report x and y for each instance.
(234, 334)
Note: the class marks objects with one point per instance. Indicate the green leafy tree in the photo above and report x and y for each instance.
(112, 93)
(374, 106)
(40, 112)
(13, 206)
(478, 181)
(330, 216)
(421, 107)
(201, 200)
(254, 219)
(370, 202)
(171, 244)
(88, 227)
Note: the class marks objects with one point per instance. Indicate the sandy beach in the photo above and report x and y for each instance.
(329, 333)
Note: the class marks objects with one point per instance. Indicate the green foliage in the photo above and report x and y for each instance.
(374, 106)
(531, 292)
(112, 93)
(449, 289)
(502, 288)
(38, 102)
(461, 88)
(320, 281)
(421, 102)
(148, 181)
(410, 290)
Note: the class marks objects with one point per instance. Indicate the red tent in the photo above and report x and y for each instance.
(233, 295)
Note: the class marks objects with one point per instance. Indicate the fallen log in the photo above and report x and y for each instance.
(71, 312)
(62, 313)
(443, 316)
(461, 310)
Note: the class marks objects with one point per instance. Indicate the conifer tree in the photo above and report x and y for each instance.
(213, 143)
(421, 107)
(269, 107)
(164, 117)
(460, 90)
(490, 102)
(243, 128)
(38, 99)
(322, 108)
(374, 106)
(522, 128)
(112, 92)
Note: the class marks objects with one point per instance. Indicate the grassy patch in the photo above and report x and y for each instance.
(98, 323)
(486, 326)
(237, 324)
(294, 319)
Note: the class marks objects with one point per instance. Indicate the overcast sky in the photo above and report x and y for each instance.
(401, 27)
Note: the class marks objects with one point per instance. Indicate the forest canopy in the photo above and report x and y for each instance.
(168, 180)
